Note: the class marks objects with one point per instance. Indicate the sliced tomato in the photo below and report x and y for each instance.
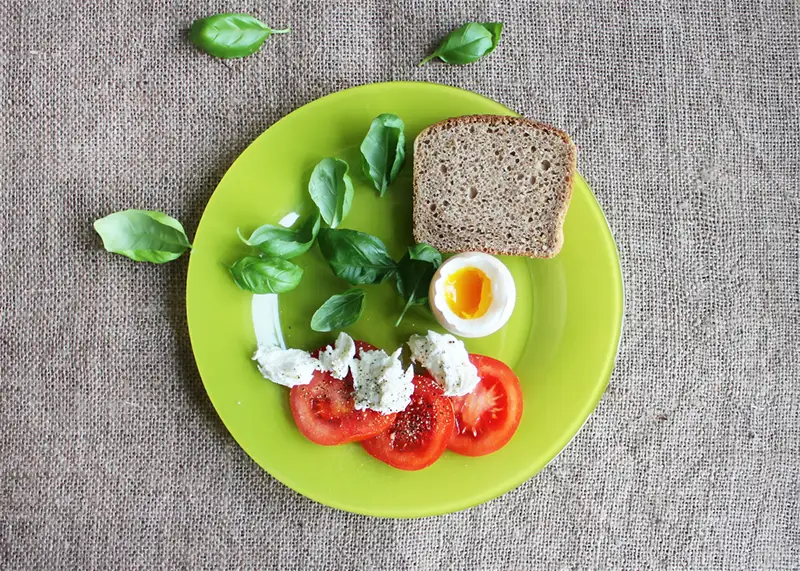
(487, 418)
(419, 434)
(324, 409)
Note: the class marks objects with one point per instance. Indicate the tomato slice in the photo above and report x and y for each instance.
(487, 418)
(324, 409)
(420, 433)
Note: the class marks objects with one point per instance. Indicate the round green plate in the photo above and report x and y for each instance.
(561, 340)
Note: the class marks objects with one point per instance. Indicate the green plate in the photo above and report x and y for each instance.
(561, 340)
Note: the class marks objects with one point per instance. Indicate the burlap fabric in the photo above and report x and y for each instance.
(687, 119)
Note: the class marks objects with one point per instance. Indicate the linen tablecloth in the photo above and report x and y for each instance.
(687, 119)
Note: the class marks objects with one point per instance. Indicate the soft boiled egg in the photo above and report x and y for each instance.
(472, 294)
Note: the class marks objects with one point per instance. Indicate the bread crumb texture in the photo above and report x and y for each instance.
(494, 184)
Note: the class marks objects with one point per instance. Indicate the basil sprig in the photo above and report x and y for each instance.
(468, 44)
(230, 35)
(266, 275)
(356, 257)
(383, 151)
(339, 311)
(331, 190)
(143, 235)
(414, 273)
(286, 243)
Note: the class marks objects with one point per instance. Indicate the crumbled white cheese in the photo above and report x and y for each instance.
(380, 383)
(447, 360)
(287, 367)
(336, 359)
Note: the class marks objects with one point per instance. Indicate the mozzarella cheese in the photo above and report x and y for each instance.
(337, 359)
(287, 367)
(447, 360)
(380, 383)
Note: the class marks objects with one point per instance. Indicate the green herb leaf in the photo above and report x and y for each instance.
(331, 190)
(143, 235)
(414, 274)
(230, 35)
(266, 275)
(468, 44)
(339, 311)
(496, 28)
(383, 151)
(286, 243)
(356, 257)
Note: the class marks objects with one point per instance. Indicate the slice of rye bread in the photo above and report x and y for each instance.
(494, 184)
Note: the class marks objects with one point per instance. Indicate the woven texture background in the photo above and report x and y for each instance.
(687, 121)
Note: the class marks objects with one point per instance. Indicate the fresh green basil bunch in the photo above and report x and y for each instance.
(356, 257)
(362, 259)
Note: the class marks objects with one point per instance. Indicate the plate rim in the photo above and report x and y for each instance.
(510, 484)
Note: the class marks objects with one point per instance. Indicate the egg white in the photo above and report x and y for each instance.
(504, 295)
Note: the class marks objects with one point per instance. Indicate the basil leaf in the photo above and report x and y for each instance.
(331, 190)
(383, 151)
(468, 44)
(414, 274)
(286, 243)
(143, 235)
(356, 257)
(230, 35)
(266, 275)
(496, 28)
(339, 311)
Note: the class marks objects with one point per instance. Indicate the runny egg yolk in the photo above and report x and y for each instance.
(468, 292)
